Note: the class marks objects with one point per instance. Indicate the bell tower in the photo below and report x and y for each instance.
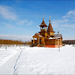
(43, 28)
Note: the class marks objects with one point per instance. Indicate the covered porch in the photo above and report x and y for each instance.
(38, 39)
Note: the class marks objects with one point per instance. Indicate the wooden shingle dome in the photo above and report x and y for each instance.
(43, 24)
(50, 29)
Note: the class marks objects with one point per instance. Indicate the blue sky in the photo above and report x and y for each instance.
(21, 19)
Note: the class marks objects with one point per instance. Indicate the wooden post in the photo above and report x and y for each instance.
(33, 41)
(38, 40)
(58, 44)
(5, 47)
(40, 28)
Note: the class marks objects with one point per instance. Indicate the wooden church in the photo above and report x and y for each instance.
(46, 37)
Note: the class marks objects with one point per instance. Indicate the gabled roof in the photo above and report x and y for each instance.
(50, 29)
(58, 35)
(43, 24)
(37, 35)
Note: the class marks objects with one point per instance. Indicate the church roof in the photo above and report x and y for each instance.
(38, 35)
(58, 35)
(50, 29)
(43, 24)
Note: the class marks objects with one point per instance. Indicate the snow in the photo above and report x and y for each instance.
(54, 38)
(6, 54)
(40, 36)
(51, 38)
(37, 60)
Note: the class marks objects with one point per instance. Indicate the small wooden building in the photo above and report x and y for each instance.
(46, 36)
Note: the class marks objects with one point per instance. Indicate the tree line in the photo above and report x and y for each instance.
(2, 41)
(10, 42)
(68, 41)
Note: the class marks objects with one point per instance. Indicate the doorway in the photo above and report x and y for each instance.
(39, 41)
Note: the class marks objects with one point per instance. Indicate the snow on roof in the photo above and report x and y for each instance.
(51, 38)
(54, 38)
(40, 36)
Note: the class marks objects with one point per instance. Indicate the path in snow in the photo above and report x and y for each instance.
(8, 66)
(15, 66)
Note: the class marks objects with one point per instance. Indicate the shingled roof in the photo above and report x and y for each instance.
(58, 35)
(43, 24)
(38, 35)
(50, 29)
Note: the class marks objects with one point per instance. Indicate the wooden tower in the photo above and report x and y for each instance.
(43, 29)
(50, 30)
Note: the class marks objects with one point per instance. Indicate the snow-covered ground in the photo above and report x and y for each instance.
(37, 60)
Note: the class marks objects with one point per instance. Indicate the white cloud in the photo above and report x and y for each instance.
(66, 21)
(60, 21)
(7, 13)
(62, 24)
(30, 23)
(57, 23)
(70, 14)
(21, 22)
(68, 25)
(26, 22)
(9, 26)
(16, 37)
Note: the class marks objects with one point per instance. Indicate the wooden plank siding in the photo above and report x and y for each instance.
(49, 41)
(53, 42)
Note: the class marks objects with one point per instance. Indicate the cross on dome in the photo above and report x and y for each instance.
(43, 17)
(58, 30)
(49, 19)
